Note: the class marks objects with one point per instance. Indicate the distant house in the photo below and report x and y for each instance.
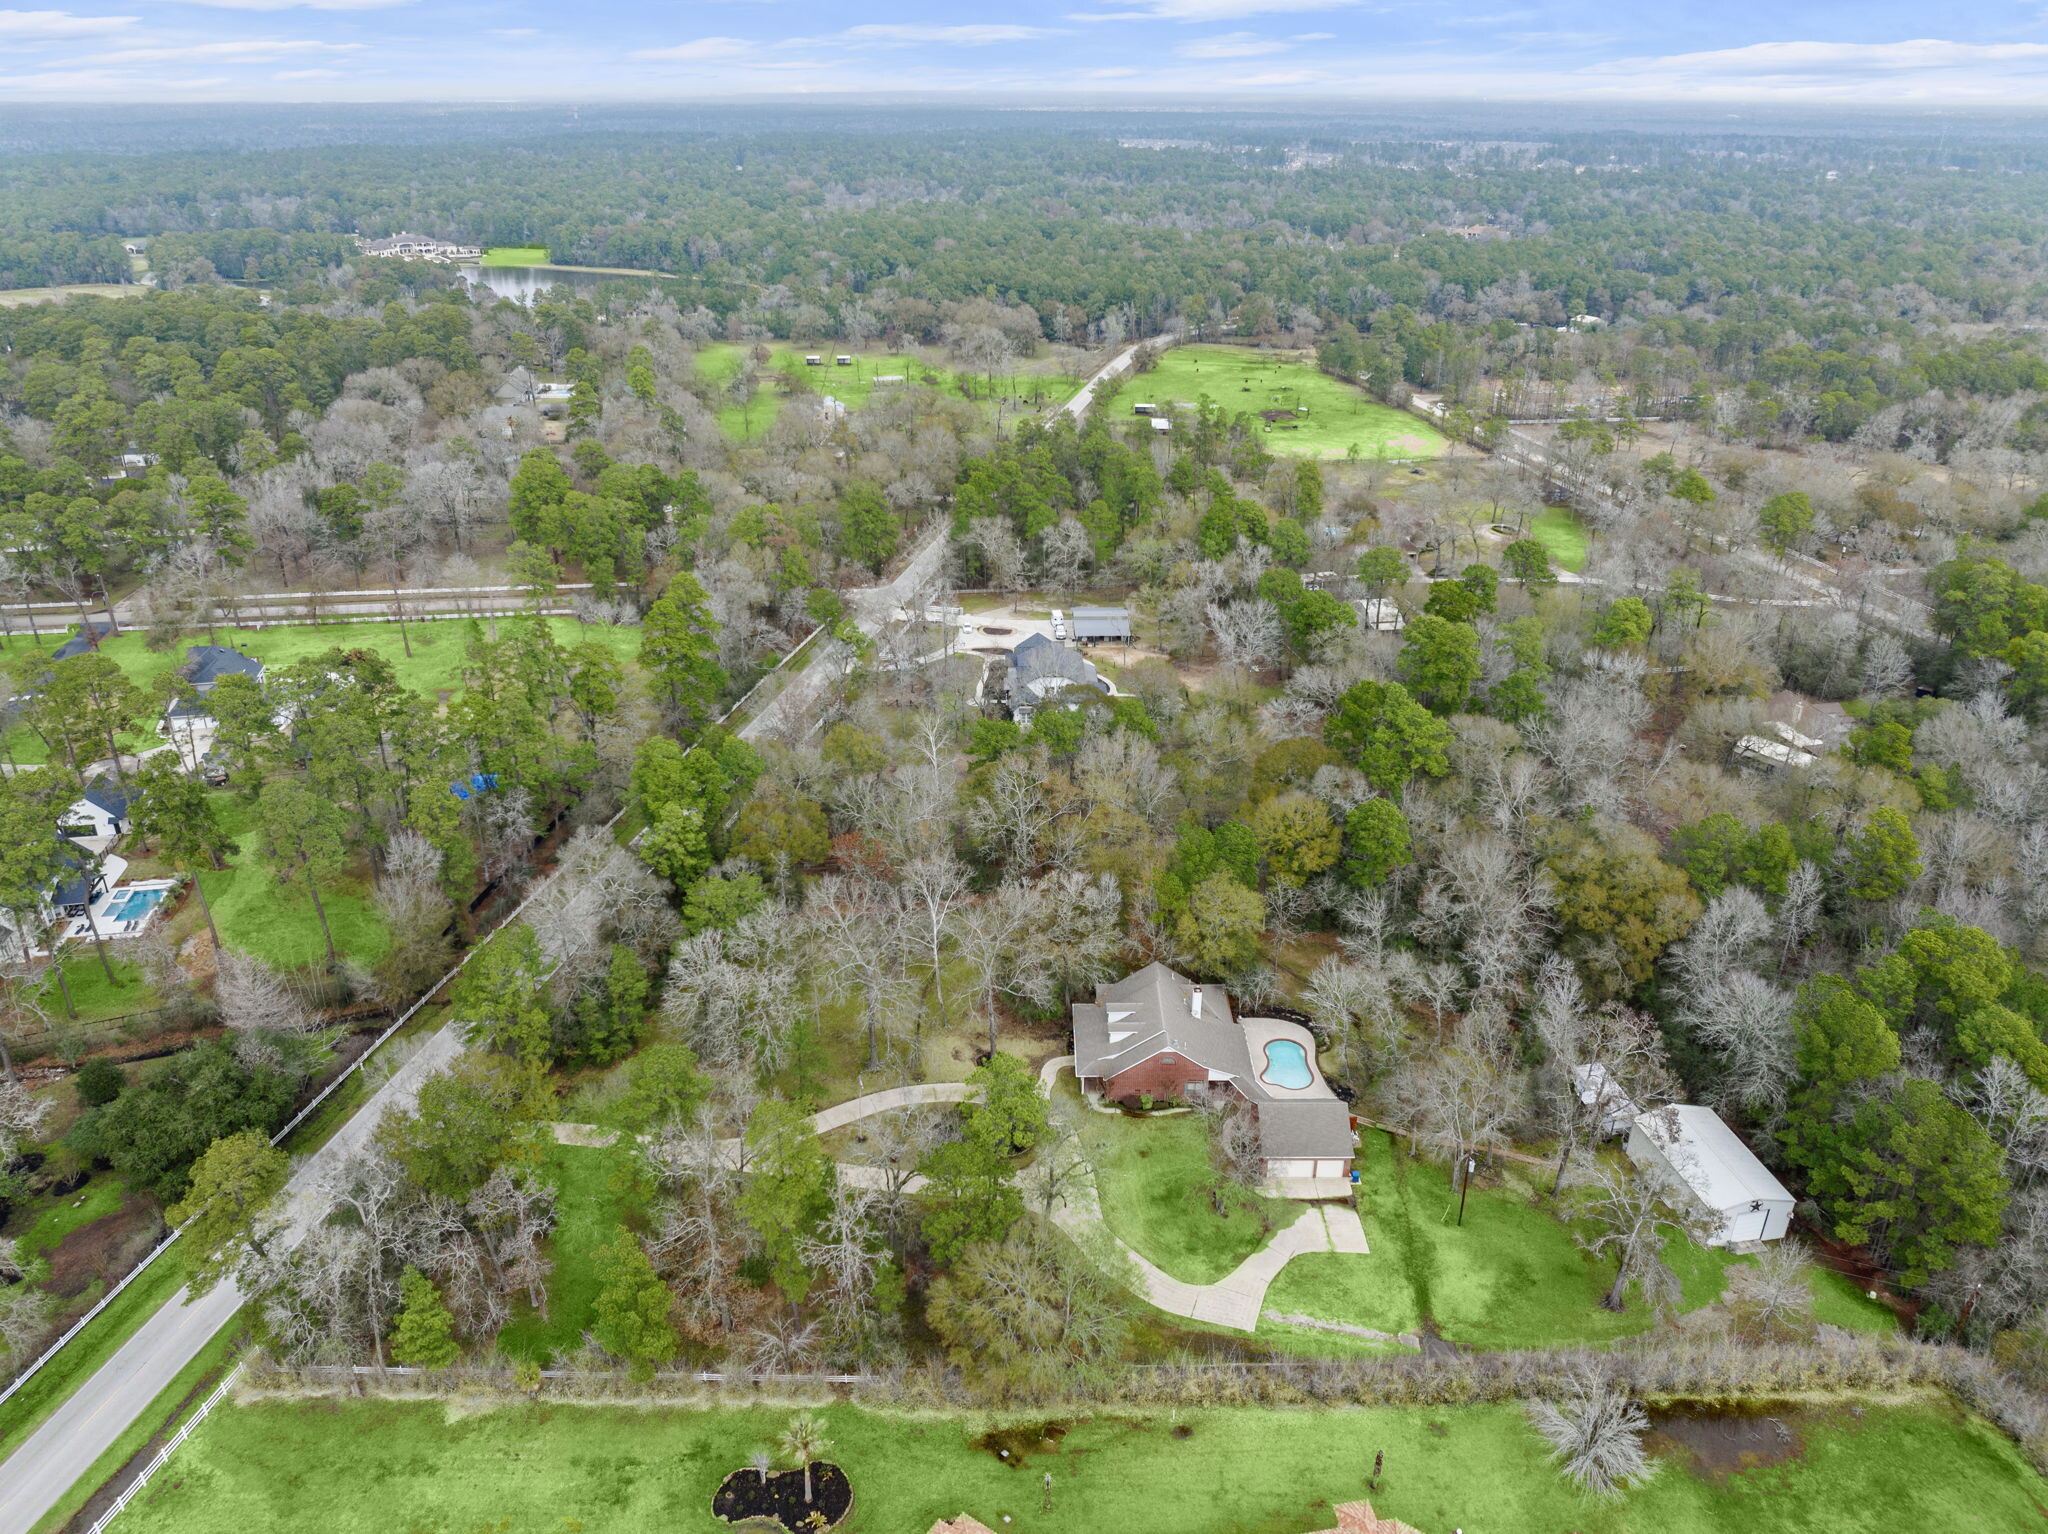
(1359, 1518)
(1773, 753)
(1705, 1165)
(102, 811)
(1093, 625)
(1808, 723)
(1156, 1034)
(1043, 671)
(205, 665)
(418, 247)
(84, 642)
(1379, 615)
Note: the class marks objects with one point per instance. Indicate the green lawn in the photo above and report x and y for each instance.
(593, 1203)
(1561, 532)
(516, 255)
(91, 992)
(1510, 1277)
(1238, 378)
(438, 645)
(97, 1199)
(353, 1467)
(279, 925)
(719, 362)
(1151, 1174)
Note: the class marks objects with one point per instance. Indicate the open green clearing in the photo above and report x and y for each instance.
(438, 647)
(595, 1197)
(1152, 1176)
(1238, 378)
(516, 255)
(720, 362)
(382, 1466)
(1561, 532)
(1510, 1277)
(12, 298)
(276, 924)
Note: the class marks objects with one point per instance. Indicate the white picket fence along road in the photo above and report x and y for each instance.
(162, 1456)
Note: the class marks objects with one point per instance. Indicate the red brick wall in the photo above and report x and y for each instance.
(1161, 1077)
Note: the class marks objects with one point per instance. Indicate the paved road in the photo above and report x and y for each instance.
(1113, 370)
(52, 1459)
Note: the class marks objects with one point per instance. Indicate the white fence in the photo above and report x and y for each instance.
(162, 1457)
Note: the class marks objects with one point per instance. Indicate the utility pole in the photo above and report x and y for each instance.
(1465, 1187)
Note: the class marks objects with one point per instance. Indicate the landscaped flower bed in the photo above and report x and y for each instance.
(780, 1495)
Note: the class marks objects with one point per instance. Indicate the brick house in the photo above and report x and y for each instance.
(1160, 1036)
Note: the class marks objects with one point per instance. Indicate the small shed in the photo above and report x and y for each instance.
(1690, 1149)
(1773, 753)
(1380, 615)
(1160, 423)
(1144, 409)
(844, 359)
(1092, 625)
(1617, 1110)
(814, 360)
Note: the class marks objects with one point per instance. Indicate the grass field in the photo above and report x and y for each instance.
(516, 255)
(279, 925)
(852, 386)
(352, 1467)
(12, 298)
(1150, 1175)
(1237, 378)
(1561, 532)
(593, 1203)
(434, 665)
(1510, 1277)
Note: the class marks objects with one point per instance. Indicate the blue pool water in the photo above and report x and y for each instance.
(1286, 1065)
(132, 905)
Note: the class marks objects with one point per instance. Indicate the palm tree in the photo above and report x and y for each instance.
(804, 1440)
(761, 1461)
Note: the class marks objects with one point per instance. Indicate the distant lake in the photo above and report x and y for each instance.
(523, 284)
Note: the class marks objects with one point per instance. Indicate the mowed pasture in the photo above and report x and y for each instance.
(353, 1467)
(1026, 384)
(516, 255)
(1340, 416)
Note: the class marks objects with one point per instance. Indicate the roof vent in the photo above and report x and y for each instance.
(1195, 1006)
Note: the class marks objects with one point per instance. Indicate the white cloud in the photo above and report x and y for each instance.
(32, 26)
(1212, 10)
(1778, 59)
(1283, 77)
(308, 74)
(1231, 45)
(979, 36)
(255, 50)
(704, 48)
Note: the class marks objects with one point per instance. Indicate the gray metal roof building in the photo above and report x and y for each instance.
(1097, 623)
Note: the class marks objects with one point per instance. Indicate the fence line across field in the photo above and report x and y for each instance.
(163, 1455)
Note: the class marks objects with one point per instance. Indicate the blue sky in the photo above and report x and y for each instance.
(1878, 53)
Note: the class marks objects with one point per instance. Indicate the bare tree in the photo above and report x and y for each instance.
(934, 891)
(1747, 1021)
(1772, 1294)
(1631, 1221)
(1595, 1434)
(258, 1006)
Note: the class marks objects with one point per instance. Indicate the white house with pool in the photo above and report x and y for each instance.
(1158, 1036)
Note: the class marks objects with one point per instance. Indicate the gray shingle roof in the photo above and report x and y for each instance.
(1305, 1126)
(1151, 1012)
(1039, 668)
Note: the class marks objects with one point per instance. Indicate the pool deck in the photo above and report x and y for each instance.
(1261, 1031)
(116, 897)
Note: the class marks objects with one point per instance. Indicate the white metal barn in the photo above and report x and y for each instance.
(1694, 1151)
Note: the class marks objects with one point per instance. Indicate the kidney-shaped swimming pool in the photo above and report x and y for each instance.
(1287, 1065)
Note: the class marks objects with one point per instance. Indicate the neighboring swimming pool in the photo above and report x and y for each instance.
(1287, 1065)
(133, 904)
